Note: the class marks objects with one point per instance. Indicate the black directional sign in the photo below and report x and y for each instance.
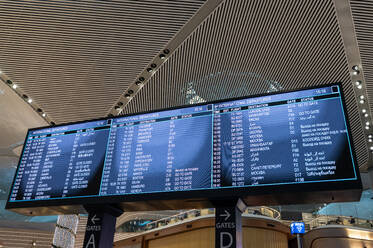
(228, 232)
(100, 230)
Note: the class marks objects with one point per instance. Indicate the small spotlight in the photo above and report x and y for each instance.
(130, 92)
(371, 148)
(162, 56)
(367, 127)
(362, 101)
(29, 100)
(355, 68)
(355, 73)
(366, 115)
(360, 87)
(370, 140)
(149, 69)
(153, 65)
(1, 72)
(138, 83)
(362, 97)
(358, 84)
(14, 86)
(363, 111)
(166, 51)
(127, 96)
(117, 107)
(367, 123)
(9, 81)
(44, 115)
(370, 136)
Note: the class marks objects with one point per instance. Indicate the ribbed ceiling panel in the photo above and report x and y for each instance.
(362, 12)
(251, 47)
(75, 58)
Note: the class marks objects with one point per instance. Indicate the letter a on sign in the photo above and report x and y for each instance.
(91, 242)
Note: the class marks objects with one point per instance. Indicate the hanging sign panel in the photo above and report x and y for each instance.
(283, 143)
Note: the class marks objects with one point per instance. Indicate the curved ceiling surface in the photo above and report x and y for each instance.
(269, 45)
(75, 58)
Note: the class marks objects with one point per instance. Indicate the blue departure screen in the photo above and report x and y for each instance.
(285, 138)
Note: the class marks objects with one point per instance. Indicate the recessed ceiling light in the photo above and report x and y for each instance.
(366, 115)
(362, 101)
(370, 140)
(29, 100)
(362, 97)
(371, 148)
(355, 73)
(44, 114)
(366, 127)
(14, 86)
(364, 111)
(355, 68)
(370, 136)
(367, 123)
(358, 84)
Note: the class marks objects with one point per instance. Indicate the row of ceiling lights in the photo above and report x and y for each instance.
(362, 99)
(26, 98)
(140, 82)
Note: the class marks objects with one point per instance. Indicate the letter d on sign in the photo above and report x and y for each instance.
(222, 239)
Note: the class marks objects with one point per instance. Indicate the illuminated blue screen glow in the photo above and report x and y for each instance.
(285, 138)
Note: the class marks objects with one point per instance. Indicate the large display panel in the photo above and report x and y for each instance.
(287, 142)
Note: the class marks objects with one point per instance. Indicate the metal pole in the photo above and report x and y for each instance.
(299, 241)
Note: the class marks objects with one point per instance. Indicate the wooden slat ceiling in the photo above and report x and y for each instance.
(77, 59)
(269, 45)
(362, 13)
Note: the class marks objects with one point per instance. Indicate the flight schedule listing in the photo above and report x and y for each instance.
(285, 138)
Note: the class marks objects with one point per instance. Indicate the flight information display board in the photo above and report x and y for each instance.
(291, 138)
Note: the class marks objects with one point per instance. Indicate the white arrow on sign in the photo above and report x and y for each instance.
(226, 215)
(299, 228)
(94, 219)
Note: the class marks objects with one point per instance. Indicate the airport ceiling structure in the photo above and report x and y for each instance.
(72, 60)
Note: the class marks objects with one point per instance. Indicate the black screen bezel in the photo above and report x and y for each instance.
(211, 194)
